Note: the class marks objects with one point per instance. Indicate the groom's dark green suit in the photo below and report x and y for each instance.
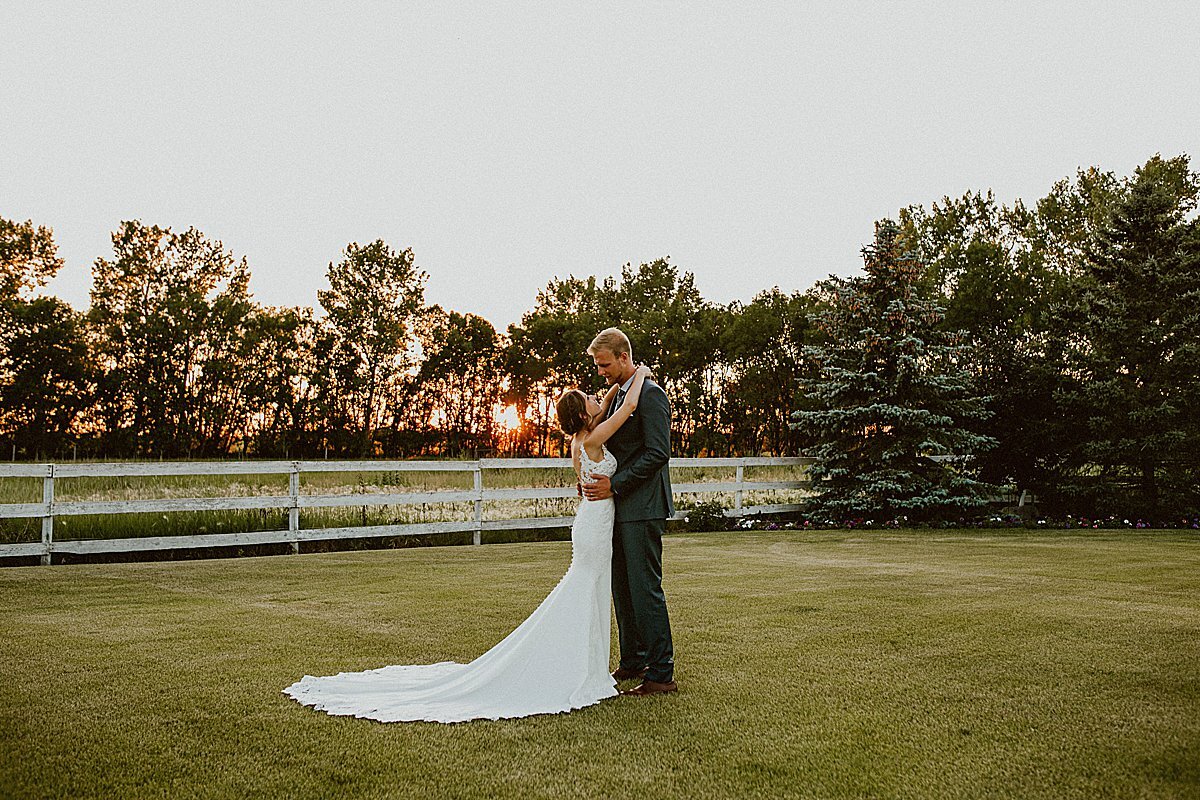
(642, 489)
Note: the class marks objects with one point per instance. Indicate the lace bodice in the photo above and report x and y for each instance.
(605, 466)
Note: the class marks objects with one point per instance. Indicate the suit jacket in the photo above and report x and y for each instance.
(642, 447)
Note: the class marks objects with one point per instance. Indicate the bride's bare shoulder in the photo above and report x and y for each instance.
(594, 454)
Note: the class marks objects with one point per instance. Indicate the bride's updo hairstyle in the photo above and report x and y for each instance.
(572, 412)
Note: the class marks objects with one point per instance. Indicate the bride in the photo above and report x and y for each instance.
(556, 660)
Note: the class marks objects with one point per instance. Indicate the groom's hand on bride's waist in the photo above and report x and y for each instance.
(598, 489)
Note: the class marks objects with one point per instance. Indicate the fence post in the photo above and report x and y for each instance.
(478, 538)
(737, 495)
(295, 501)
(48, 520)
(294, 511)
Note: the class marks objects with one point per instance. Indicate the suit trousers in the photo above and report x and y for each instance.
(643, 627)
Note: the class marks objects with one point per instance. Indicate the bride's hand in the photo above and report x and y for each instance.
(642, 368)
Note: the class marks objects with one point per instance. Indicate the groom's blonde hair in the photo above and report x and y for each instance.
(612, 340)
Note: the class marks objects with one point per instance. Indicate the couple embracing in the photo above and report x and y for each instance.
(558, 658)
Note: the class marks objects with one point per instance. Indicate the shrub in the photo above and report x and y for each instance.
(706, 516)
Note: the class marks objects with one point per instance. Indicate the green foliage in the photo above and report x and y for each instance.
(891, 392)
(670, 327)
(28, 257)
(46, 384)
(1135, 357)
(761, 352)
(168, 315)
(546, 353)
(707, 515)
(729, 371)
(458, 385)
(373, 303)
(46, 371)
(281, 358)
(1005, 275)
(676, 332)
(1080, 311)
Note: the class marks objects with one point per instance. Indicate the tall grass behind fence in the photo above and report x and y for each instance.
(122, 507)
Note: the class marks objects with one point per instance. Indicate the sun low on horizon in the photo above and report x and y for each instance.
(508, 418)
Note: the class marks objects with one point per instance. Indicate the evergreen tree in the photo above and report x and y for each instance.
(892, 389)
(1136, 355)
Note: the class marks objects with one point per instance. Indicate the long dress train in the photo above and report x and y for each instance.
(555, 661)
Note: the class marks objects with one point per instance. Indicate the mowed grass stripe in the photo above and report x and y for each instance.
(833, 664)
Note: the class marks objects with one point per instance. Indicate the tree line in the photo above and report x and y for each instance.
(1073, 321)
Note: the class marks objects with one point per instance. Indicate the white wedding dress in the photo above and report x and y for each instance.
(557, 660)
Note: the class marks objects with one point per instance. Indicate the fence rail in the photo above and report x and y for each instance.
(294, 502)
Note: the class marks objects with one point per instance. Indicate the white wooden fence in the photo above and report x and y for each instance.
(294, 502)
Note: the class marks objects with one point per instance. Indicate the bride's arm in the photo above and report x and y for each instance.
(608, 398)
(602, 432)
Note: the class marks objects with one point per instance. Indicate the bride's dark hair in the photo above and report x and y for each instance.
(572, 412)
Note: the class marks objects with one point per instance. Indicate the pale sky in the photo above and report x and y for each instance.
(509, 143)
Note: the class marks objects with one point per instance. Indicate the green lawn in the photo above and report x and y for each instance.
(825, 665)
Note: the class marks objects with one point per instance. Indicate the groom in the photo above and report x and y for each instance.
(641, 488)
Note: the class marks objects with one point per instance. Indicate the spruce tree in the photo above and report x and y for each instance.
(1135, 357)
(889, 391)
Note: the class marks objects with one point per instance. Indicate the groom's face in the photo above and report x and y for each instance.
(612, 368)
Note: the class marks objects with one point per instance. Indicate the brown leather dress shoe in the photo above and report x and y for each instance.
(646, 688)
(622, 674)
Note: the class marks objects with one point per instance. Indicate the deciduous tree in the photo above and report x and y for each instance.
(374, 298)
(167, 313)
